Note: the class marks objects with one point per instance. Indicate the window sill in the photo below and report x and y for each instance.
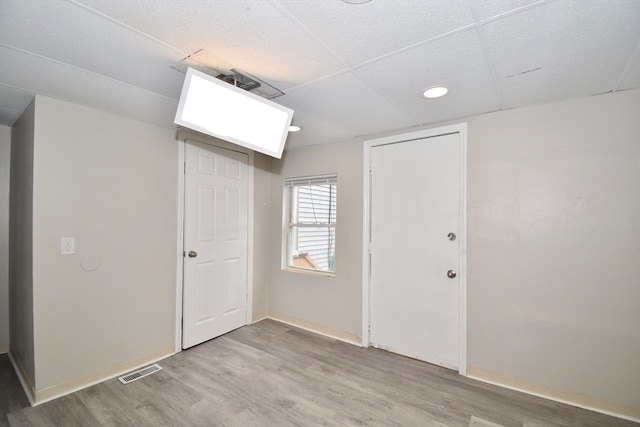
(310, 272)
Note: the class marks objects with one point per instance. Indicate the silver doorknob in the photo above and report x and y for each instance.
(451, 274)
(451, 236)
(192, 254)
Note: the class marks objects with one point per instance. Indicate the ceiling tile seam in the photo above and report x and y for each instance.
(21, 89)
(85, 71)
(433, 39)
(10, 110)
(477, 23)
(635, 56)
(295, 21)
(508, 13)
(353, 69)
(128, 27)
(484, 43)
(312, 115)
(383, 96)
(430, 40)
(318, 79)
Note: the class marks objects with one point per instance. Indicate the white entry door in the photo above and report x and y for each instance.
(215, 243)
(414, 260)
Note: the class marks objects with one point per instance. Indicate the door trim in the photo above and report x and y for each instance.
(460, 129)
(183, 137)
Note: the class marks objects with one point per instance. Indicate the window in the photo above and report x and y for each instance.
(310, 224)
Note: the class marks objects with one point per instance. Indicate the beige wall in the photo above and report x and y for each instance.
(21, 245)
(553, 247)
(332, 305)
(5, 161)
(261, 236)
(111, 183)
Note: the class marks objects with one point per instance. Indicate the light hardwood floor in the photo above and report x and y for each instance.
(270, 374)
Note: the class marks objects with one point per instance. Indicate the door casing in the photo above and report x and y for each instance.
(460, 129)
(183, 137)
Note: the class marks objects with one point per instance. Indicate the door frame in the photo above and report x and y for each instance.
(183, 137)
(460, 129)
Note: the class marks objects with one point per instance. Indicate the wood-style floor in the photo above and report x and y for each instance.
(270, 374)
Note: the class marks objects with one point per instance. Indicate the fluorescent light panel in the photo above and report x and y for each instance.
(224, 111)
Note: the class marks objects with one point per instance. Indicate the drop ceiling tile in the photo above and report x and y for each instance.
(314, 131)
(348, 103)
(35, 74)
(252, 35)
(456, 61)
(563, 50)
(67, 33)
(360, 32)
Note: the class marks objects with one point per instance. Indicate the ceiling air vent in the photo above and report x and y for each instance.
(140, 373)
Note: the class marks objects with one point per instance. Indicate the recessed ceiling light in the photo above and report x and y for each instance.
(294, 128)
(435, 92)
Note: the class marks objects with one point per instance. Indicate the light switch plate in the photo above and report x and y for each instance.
(67, 245)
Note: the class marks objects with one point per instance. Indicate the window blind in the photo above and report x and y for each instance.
(312, 180)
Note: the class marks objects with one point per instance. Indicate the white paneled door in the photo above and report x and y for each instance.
(415, 248)
(215, 243)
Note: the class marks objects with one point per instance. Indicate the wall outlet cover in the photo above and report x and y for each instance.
(67, 245)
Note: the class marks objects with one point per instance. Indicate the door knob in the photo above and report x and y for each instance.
(192, 254)
(451, 236)
(451, 274)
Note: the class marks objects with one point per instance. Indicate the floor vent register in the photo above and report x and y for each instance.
(140, 373)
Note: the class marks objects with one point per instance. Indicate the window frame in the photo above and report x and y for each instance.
(288, 236)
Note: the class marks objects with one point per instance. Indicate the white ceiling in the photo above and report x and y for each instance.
(347, 70)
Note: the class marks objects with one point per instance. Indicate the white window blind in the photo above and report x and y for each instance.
(311, 180)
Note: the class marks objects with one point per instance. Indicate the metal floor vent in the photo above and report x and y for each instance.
(140, 373)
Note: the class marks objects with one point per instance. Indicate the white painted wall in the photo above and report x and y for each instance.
(5, 162)
(332, 305)
(111, 183)
(553, 248)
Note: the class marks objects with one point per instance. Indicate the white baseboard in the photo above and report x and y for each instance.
(570, 398)
(37, 397)
(258, 317)
(318, 329)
